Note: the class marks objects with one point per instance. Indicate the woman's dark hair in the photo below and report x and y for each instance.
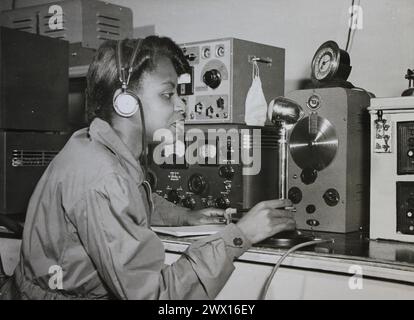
(103, 80)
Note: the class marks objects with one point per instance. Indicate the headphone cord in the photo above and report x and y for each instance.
(144, 159)
(279, 262)
(144, 156)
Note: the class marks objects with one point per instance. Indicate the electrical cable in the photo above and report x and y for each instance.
(355, 29)
(350, 26)
(285, 255)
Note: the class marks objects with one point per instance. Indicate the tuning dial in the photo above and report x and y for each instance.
(212, 78)
(197, 183)
(173, 196)
(189, 202)
(222, 202)
(410, 153)
(226, 172)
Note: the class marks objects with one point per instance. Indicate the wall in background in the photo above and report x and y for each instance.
(380, 53)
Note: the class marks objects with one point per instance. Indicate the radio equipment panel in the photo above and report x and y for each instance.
(392, 169)
(329, 160)
(221, 176)
(221, 77)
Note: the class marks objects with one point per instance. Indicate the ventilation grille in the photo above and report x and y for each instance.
(24, 23)
(60, 33)
(108, 27)
(32, 158)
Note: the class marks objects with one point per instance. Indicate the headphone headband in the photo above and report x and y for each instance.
(124, 72)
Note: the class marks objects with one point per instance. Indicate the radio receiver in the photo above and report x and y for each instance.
(329, 162)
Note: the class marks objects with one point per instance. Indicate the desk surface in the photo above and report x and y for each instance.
(389, 260)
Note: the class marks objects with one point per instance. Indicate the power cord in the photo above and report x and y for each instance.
(279, 262)
(350, 27)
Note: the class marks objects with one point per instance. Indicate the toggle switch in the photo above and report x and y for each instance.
(198, 108)
(210, 112)
(220, 103)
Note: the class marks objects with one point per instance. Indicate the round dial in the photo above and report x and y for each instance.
(212, 78)
(206, 52)
(197, 183)
(330, 62)
(325, 61)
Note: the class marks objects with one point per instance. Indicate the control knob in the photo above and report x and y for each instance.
(212, 78)
(173, 196)
(222, 202)
(189, 202)
(226, 172)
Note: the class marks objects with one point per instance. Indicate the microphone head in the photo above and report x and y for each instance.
(282, 109)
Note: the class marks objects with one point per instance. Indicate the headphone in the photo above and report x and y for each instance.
(126, 103)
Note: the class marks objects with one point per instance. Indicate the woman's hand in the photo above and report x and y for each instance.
(266, 219)
(204, 216)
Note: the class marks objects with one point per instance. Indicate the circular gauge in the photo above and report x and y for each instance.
(220, 51)
(206, 52)
(330, 63)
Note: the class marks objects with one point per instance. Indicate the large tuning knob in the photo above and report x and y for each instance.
(212, 78)
(197, 183)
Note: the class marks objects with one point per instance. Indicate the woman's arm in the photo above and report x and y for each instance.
(166, 213)
(129, 257)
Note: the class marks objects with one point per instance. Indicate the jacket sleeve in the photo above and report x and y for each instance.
(166, 213)
(130, 257)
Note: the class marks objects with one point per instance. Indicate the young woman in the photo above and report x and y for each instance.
(87, 233)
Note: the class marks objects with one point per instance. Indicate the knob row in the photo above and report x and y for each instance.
(173, 196)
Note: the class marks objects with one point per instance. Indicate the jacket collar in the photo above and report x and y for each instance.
(102, 132)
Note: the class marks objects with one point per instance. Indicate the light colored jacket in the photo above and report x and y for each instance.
(87, 233)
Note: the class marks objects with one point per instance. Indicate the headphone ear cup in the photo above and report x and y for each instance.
(125, 103)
